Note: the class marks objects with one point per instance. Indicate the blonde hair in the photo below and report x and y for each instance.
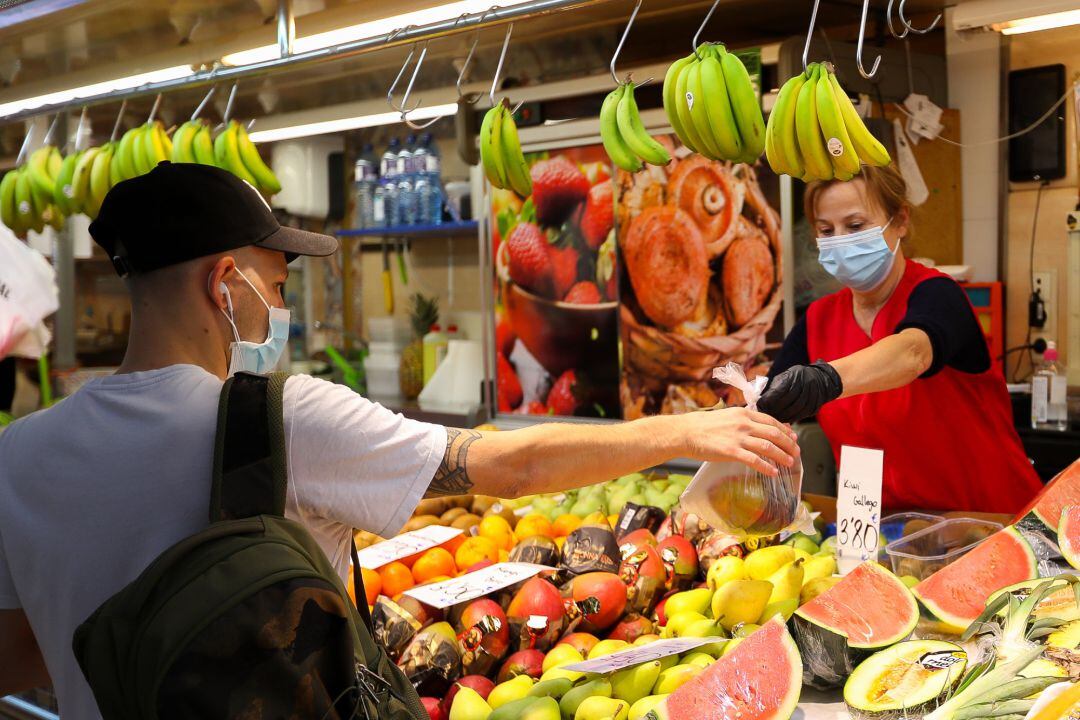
(885, 188)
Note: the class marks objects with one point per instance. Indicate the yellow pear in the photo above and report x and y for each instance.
(812, 588)
(602, 708)
(724, 570)
(696, 600)
(563, 654)
(545, 708)
(468, 705)
(675, 677)
(784, 608)
(515, 688)
(702, 660)
(741, 601)
(558, 672)
(676, 623)
(606, 647)
(635, 682)
(762, 563)
(787, 582)
(818, 567)
(641, 708)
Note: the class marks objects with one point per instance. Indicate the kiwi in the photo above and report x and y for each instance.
(451, 515)
(432, 506)
(466, 521)
(420, 521)
(461, 501)
(482, 503)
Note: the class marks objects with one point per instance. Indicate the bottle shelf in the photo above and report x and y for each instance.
(450, 229)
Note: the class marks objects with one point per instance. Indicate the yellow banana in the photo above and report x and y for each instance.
(745, 105)
(682, 108)
(227, 154)
(115, 177)
(99, 180)
(124, 156)
(267, 181)
(142, 160)
(54, 217)
(811, 144)
(182, 142)
(203, 147)
(80, 181)
(491, 156)
(153, 147)
(716, 102)
(833, 131)
(7, 199)
(166, 142)
(38, 168)
(62, 187)
(617, 149)
(870, 150)
(517, 170)
(785, 157)
(634, 133)
(671, 100)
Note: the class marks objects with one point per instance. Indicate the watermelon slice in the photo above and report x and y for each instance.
(1069, 535)
(761, 679)
(868, 610)
(956, 594)
(1043, 515)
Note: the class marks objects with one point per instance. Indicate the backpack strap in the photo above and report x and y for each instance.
(249, 475)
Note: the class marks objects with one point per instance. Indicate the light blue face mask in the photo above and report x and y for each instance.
(861, 260)
(251, 356)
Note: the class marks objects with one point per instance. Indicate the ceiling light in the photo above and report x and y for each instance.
(351, 123)
(124, 83)
(373, 28)
(1039, 22)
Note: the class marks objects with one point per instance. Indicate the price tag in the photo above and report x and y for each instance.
(642, 653)
(858, 506)
(475, 584)
(404, 545)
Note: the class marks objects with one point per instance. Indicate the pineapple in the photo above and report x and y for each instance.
(423, 314)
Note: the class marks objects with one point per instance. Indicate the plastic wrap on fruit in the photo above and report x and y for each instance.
(483, 644)
(643, 572)
(1047, 553)
(538, 550)
(682, 522)
(744, 502)
(590, 548)
(827, 661)
(432, 661)
(714, 545)
(634, 517)
(393, 625)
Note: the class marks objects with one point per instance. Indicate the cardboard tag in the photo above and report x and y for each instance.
(858, 506)
(404, 545)
(475, 584)
(642, 653)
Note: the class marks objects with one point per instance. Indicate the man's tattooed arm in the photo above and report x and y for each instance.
(452, 477)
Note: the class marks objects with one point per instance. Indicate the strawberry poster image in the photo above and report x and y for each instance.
(556, 289)
(700, 243)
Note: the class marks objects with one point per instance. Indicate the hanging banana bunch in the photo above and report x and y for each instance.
(625, 139)
(500, 151)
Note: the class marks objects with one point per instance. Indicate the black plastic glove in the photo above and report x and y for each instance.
(800, 391)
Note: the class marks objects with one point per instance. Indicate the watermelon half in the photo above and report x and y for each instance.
(956, 594)
(1043, 516)
(761, 679)
(1069, 535)
(870, 609)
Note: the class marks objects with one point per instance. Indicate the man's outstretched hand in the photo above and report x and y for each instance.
(741, 435)
(800, 391)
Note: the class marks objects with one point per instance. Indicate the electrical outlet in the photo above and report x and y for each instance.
(1043, 282)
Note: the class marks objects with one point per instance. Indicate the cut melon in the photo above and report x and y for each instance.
(868, 610)
(905, 680)
(1043, 515)
(1068, 536)
(956, 594)
(761, 679)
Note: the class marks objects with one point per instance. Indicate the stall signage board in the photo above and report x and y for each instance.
(475, 584)
(404, 545)
(640, 654)
(858, 506)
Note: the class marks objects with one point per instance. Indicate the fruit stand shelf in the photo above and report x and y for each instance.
(451, 229)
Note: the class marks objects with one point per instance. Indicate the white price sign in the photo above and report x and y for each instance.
(404, 545)
(858, 506)
(475, 584)
(642, 653)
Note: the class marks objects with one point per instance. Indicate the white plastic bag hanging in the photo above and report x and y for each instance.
(28, 295)
(741, 501)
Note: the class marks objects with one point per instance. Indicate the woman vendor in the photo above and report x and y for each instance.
(896, 360)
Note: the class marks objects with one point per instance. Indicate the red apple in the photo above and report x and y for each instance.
(434, 709)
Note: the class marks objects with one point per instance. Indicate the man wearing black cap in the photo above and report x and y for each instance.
(96, 487)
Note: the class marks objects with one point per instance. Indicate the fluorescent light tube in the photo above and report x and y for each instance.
(124, 83)
(1038, 22)
(352, 123)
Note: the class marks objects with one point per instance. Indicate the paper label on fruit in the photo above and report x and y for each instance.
(690, 100)
(404, 545)
(475, 584)
(941, 660)
(836, 148)
(858, 506)
(643, 653)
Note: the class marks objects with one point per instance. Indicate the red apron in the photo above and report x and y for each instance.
(949, 439)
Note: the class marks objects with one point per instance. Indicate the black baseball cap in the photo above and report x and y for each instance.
(182, 211)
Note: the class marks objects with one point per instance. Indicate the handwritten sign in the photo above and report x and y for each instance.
(404, 545)
(858, 506)
(641, 653)
(475, 584)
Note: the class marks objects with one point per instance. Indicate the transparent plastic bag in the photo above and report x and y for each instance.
(740, 501)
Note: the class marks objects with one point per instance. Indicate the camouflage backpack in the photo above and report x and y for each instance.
(246, 620)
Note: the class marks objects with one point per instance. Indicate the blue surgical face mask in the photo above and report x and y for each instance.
(861, 260)
(255, 357)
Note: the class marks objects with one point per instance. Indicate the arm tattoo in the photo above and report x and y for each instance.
(452, 477)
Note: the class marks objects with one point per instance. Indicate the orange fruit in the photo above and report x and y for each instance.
(454, 543)
(433, 563)
(436, 579)
(475, 549)
(504, 556)
(372, 585)
(496, 528)
(565, 524)
(533, 524)
(396, 579)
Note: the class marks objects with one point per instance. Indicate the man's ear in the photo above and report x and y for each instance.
(221, 271)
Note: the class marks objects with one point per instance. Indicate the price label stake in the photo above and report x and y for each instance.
(858, 506)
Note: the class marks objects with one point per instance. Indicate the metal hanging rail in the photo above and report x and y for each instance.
(449, 26)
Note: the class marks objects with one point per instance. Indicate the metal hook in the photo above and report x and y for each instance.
(472, 100)
(408, 91)
(862, 40)
(119, 117)
(154, 109)
(229, 105)
(79, 129)
(499, 67)
(694, 42)
(909, 26)
(51, 130)
(25, 144)
(622, 41)
(202, 105)
(810, 36)
(892, 30)
(397, 79)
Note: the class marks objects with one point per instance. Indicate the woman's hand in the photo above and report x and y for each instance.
(800, 391)
(741, 435)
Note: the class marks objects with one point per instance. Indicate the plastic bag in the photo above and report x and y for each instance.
(28, 295)
(740, 501)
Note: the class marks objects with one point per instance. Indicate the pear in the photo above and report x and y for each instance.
(800, 553)
(558, 672)
(513, 709)
(741, 601)
(515, 688)
(762, 563)
(744, 630)
(641, 708)
(676, 623)
(787, 582)
(602, 708)
(700, 659)
(544, 708)
(553, 687)
(724, 570)
(784, 608)
(696, 600)
(575, 696)
(732, 644)
(673, 678)
(563, 654)
(819, 567)
(804, 543)
(636, 682)
(646, 639)
(468, 705)
(606, 647)
(706, 628)
(816, 587)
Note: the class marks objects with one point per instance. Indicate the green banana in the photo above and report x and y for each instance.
(62, 187)
(870, 150)
(671, 100)
(845, 159)
(80, 181)
(41, 212)
(517, 170)
(54, 218)
(227, 154)
(124, 157)
(617, 149)
(780, 131)
(7, 199)
(153, 148)
(745, 105)
(634, 133)
(491, 156)
(99, 180)
(682, 108)
(696, 99)
(38, 168)
(24, 204)
(115, 176)
(267, 181)
(811, 144)
(203, 147)
(716, 103)
(142, 161)
(182, 139)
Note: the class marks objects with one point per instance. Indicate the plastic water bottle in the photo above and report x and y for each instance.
(433, 203)
(364, 181)
(1049, 407)
(421, 183)
(386, 198)
(406, 188)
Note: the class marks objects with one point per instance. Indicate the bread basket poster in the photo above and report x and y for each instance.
(556, 288)
(700, 246)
